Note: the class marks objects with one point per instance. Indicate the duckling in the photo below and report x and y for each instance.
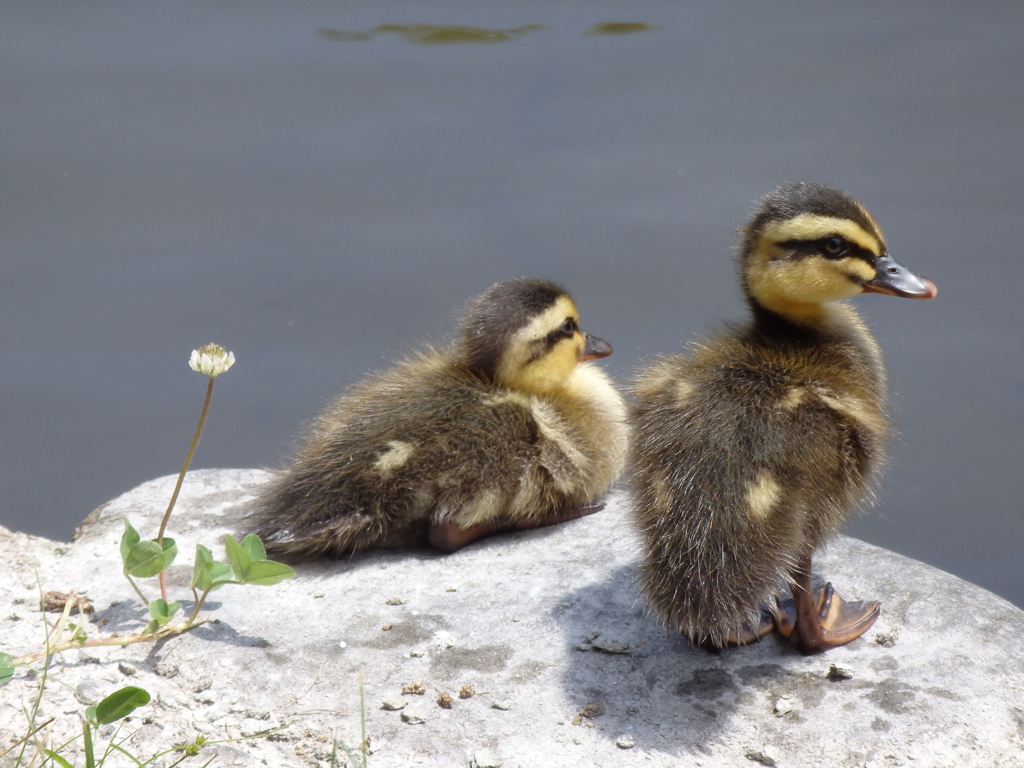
(749, 452)
(514, 428)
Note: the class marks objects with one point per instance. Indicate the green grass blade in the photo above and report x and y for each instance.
(57, 759)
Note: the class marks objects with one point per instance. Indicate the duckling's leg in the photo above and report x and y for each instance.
(817, 623)
(449, 537)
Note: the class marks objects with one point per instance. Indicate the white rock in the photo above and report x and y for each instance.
(938, 680)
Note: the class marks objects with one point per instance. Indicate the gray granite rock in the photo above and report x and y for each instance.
(566, 667)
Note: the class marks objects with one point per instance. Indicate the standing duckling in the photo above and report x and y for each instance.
(514, 429)
(749, 452)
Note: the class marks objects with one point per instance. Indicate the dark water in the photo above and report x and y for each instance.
(319, 194)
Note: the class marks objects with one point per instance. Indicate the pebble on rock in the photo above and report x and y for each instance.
(609, 645)
(836, 673)
(413, 718)
(783, 706)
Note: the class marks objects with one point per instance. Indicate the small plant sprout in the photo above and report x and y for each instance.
(210, 360)
(142, 559)
(247, 560)
(247, 564)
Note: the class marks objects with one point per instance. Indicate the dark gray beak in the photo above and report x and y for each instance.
(594, 348)
(893, 279)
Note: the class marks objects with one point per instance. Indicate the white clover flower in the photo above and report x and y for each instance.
(211, 360)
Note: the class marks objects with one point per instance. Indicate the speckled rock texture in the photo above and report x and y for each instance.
(532, 649)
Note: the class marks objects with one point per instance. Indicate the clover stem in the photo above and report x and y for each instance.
(181, 477)
(195, 611)
(116, 640)
(138, 591)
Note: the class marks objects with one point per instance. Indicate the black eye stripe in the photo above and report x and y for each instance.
(831, 247)
(565, 331)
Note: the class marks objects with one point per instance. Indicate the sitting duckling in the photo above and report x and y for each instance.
(749, 452)
(514, 429)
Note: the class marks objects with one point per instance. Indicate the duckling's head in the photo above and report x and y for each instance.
(524, 334)
(808, 244)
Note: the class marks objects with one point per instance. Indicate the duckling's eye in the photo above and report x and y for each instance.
(834, 246)
(564, 331)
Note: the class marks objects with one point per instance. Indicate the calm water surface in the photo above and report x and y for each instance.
(320, 192)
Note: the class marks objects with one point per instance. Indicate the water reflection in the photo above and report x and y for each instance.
(433, 34)
(619, 28)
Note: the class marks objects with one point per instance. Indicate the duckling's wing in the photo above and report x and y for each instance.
(485, 453)
(561, 447)
(529, 470)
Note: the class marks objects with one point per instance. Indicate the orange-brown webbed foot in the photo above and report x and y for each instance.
(748, 633)
(449, 537)
(817, 623)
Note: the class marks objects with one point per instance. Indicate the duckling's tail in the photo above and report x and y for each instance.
(294, 523)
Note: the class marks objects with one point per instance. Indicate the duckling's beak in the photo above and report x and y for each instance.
(594, 348)
(893, 279)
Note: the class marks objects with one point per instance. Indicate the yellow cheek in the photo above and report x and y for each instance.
(550, 371)
(816, 282)
(807, 281)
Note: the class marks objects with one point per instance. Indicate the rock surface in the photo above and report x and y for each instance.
(543, 633)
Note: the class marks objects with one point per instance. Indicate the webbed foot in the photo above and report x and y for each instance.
(817, 623)
(561, 516)
(449, 537)
(751, 634)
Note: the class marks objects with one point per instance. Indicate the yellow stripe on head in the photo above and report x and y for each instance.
(812, 226)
